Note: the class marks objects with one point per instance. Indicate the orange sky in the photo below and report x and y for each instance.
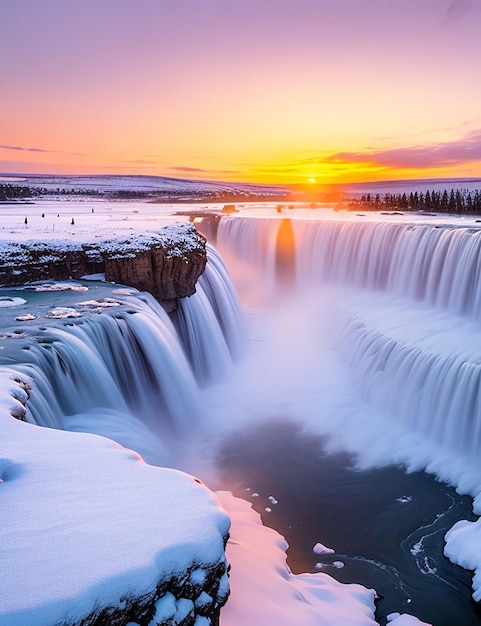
(260, 90)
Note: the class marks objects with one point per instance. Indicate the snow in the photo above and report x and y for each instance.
(463, 546)
(405, 620)
(95, 522)
(10, 302)
(17, 248)
(264, 590)
(155, 184)
(320, 548)
(60, 287)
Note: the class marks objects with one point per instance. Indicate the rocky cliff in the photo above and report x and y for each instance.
(166, 263)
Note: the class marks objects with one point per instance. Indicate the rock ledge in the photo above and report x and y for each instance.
(166, 263)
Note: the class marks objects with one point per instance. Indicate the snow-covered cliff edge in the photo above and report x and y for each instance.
(166, 263)
(93, 535)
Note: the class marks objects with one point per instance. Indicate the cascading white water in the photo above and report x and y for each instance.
(210, 324)
(426, 279)
(437, 265)
(423, 369)
(250, 245)
(127, 373)
(121, 375)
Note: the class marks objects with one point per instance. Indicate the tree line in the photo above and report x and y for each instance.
(25, 192)
(16, 192)
(443, 201)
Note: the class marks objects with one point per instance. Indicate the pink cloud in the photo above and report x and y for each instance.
(23, 149)
(445, 154)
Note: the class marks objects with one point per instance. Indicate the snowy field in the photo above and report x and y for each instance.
(97, 219)
(155, 185)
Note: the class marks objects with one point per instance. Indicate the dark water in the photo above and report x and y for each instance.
(386, 526)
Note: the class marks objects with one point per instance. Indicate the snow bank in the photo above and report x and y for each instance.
(264, 590)
(85, 524)
(463, 547)
(13, 394)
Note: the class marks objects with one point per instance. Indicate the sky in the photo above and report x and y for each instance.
(267, 91)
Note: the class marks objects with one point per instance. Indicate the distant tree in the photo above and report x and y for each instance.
(452, 201)
(459, 201)
(444, 201)
(469, 203)
(427, 201)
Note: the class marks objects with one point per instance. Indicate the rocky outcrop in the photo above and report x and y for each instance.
(165, 277)
(167, 263)
(181, 601)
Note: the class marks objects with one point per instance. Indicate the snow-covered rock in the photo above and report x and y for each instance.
(87, 528)
(166, 263)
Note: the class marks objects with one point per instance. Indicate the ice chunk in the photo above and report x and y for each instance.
(320, 548)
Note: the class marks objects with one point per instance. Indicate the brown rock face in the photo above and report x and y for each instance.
(165, 277)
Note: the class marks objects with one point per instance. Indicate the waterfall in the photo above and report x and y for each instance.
(131, 372)
(136, 362)
(425, 372)
(122, 375)
(437, 265)
(401, 306)
(252, 242)
(210, 324)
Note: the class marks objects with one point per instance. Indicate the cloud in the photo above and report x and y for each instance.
(184, 168)
(23, 149)
(198, 170)
(140, 162)
(444, 154)
(458, 9)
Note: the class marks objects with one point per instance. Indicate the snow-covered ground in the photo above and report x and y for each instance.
(85, 522)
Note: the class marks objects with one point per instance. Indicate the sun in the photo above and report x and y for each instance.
(312, 181)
